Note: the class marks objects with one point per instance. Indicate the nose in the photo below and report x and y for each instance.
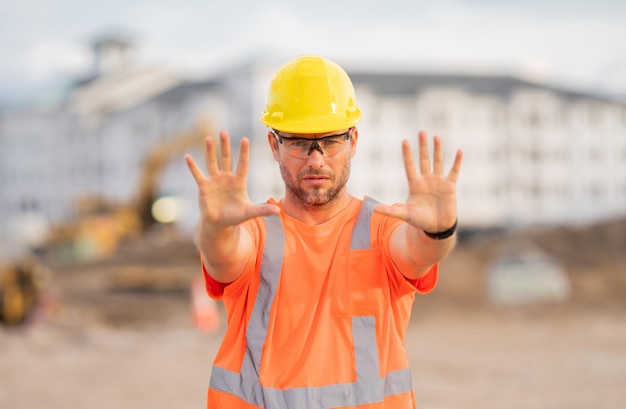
(315, 145)
(316, 157)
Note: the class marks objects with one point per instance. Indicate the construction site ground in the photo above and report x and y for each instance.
(110, 335)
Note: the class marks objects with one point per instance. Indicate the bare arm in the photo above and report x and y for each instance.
(224, 204)
(430, 206)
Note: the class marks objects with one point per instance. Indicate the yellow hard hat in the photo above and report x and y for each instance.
(311, 95)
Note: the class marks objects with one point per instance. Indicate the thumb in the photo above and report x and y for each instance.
(399, 212)
(262, 210)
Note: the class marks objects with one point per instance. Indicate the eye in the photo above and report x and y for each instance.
(295, 143)
(331, 141)
(300, 143)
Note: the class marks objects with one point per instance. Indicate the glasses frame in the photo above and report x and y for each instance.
(314, 142)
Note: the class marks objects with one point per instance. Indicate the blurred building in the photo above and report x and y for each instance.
(103, 141)
(534, 154)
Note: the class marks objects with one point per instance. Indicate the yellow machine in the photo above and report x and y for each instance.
(22, 279)
(96, 232)
(155, 163)
(101, 224)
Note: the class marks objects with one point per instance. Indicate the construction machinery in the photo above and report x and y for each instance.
(156, 161)
(23, 278)
(100, 224)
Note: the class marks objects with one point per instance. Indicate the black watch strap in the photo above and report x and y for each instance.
(444, 234)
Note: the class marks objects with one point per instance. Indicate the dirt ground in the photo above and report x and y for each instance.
(108, 337)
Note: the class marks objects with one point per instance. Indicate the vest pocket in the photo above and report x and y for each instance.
(361, 286)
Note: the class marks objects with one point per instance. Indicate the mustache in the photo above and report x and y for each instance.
(315, 172)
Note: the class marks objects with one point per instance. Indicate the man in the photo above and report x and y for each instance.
(318, 286)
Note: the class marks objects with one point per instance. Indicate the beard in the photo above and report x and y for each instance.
(315, 196)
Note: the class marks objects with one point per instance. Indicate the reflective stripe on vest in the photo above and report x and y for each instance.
(368, 388)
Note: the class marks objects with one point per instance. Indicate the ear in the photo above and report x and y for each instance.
(353, 141)
(271, 139)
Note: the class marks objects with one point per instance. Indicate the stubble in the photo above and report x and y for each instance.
(314, 196)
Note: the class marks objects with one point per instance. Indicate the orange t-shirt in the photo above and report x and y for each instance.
(322, 286)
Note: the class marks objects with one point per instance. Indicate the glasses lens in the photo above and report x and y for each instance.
(297, 147)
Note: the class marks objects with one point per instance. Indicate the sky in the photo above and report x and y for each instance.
(45, 44)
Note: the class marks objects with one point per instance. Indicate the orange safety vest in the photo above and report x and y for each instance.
(357, 344)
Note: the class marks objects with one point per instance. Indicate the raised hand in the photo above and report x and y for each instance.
(431, 204)
(222, 195)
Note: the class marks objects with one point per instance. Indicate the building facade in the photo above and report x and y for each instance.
(533, 154)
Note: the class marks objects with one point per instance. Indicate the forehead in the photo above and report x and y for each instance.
(312, 135)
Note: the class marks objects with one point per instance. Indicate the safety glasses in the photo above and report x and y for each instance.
(303, 147)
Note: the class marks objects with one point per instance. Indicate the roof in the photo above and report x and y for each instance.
(408, 84)
(120, 90)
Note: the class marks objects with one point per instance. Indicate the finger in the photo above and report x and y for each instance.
(437, 156)
(423, 154)
(210, 157)
(262, 210)
(399, 212)
(226, 153)
(456, 166)
(409, 164)
(194, 169)
(244, 158)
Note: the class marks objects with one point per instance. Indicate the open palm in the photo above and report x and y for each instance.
(223, 197)
(431, 204)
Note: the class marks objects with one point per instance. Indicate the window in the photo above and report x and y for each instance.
(440, 120)
(376, 156)
(595, 190)
(595, 155)
(534, 120)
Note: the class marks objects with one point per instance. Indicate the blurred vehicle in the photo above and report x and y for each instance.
(23, 278)
(101, 224)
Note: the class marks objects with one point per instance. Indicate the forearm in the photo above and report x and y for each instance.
(224, 251)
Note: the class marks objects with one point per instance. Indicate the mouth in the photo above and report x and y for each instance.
(316, 180)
